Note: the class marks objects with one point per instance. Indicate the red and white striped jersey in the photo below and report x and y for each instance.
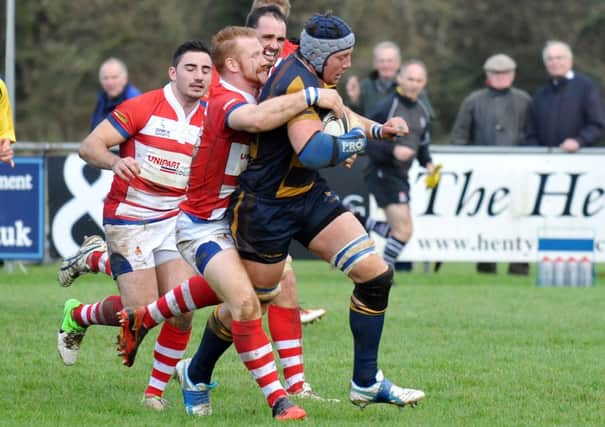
(222, 156)
(163, 140)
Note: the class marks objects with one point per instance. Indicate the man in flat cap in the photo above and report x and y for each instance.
(494, 115)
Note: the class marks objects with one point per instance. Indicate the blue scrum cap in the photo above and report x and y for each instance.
(322, 36)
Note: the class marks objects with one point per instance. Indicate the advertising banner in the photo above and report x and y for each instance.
(22, 209)
(493, 206)
(488, 206)
(75, 202)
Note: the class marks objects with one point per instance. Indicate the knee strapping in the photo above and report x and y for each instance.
(267, 294)
(352, 253)
(374, 294)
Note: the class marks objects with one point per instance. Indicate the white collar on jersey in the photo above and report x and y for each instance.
(250, 99)
(176, 105)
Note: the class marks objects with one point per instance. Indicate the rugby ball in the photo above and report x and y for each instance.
(334, 126)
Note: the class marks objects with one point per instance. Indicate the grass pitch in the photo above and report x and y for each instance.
(488, 350)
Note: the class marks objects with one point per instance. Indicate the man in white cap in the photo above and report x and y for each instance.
(494, 115)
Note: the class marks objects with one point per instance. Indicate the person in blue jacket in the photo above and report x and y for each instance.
(113, 76)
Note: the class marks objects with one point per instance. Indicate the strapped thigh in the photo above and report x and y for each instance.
(353, 252)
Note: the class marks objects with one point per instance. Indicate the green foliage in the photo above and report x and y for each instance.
(489, 350)
(60, 46)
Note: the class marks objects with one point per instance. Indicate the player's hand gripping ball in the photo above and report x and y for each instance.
(334, 126)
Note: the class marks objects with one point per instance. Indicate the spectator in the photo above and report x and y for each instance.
(363, 96)
(494, 115)
(387, 175)
(7, 128)
(380, 83)
(113, 76)
(567, 112)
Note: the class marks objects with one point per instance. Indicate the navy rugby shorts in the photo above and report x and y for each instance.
(387, 188)
(264, 227)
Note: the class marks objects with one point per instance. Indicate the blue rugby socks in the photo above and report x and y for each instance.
(367, 330)
(215, 341)
(392, 250)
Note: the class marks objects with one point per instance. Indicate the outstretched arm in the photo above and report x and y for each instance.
(275, 112)
(395, 126)
(316, 149)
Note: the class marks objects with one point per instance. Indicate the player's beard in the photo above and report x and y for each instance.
(263, 74)
(257, 77)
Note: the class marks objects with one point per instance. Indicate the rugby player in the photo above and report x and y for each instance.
(276, 47)
(284, 322)
(157, 133)
(203, 234)
(281, 197)
(283, 312)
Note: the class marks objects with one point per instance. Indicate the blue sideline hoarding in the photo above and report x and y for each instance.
(22, 209)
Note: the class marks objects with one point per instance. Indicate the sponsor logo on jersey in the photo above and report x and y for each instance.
(168, 166)
(162, 131)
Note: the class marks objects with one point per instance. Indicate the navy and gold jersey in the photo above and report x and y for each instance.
(274, 169)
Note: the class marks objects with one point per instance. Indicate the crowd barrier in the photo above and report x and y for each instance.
(491, 204)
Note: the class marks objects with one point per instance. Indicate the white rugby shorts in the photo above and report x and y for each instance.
(143, 245)
(211, 236)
